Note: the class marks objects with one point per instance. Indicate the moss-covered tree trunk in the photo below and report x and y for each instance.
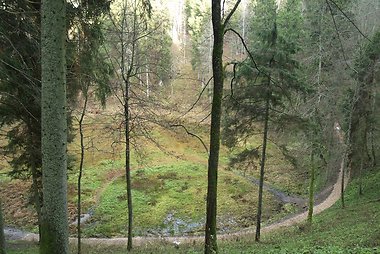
(54, 233)
(2, 239)
(217, 67)
(216, 112)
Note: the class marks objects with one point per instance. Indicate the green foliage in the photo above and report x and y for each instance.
(273, 72)
(20, 109)
(198, 26)
(367, 58)
(362, 114)
(157, 48)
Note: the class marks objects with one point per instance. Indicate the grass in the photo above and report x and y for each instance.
(165, 196)
(354, 229)
(279, 171)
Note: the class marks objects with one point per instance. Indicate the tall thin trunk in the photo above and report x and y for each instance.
(268, 95)
(82, 154)
(311, 190)
(36, 195)
(372, 131)
(2, 238)
(312, 176)
(127, 117)
(54, 231)
(217, 66)
(262, 168)
(128, 168)
(147, 81)
(361, 178)
(342, 182)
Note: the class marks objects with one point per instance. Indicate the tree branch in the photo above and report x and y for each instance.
(230, 14)
(340, 40)
(191, 134)
(349, 19)
(199, 97)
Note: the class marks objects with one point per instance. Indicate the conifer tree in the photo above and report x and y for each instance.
(266, 81)
(54, 230)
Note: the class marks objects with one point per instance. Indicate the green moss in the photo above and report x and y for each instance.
(173, 192)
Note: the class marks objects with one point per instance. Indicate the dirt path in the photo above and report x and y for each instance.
(142, 240)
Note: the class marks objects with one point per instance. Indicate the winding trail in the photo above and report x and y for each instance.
(148, 240)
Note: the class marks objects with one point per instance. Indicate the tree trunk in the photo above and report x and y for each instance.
(54, 233)
(268, 92)
(216, 110)
(128, 169)
(361, 178)
(311, 191)
(342, 182)
(2, 239)
(262, 167)
(82, 153)
(373, 129)
(37, 195)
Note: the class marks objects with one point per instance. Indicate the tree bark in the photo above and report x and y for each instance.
(262, 167)
(128, 168)
(311, 191)
(217, 67)
(2, 239)
(82, 154)
(37, 195)
(54, 233)
(361, 178)
(343, 205)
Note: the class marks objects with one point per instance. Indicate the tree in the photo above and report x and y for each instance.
(20, 92)
(135, 33)
(265, 83)
(219, 27)
(20, 79)
(199, 28)
(367, 68)
(89, 72)
(54, 230)
(2, 239)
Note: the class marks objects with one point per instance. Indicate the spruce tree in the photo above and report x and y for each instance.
(266, 81)
(54, 230)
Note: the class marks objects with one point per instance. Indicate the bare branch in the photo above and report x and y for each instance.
(349, 19)
(191, 134)
(339, 38)
(199, 97)
(231, 13)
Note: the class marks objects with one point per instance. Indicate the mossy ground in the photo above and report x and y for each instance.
(354, 229)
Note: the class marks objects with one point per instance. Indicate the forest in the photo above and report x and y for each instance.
(189, 126)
